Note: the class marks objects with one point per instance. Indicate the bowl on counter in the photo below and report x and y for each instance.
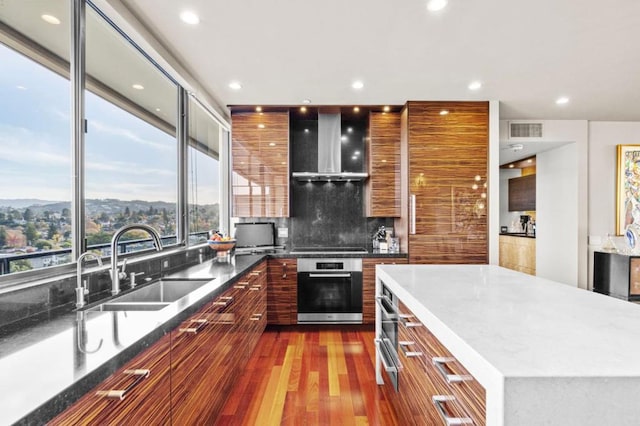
(221, 245)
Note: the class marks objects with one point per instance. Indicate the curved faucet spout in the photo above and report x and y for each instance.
(81, 286)
(117, 275)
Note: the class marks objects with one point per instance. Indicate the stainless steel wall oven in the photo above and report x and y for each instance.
(387, 339)
(330, 291)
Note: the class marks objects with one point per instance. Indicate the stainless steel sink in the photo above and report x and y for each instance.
(152, 297)
(130, 306)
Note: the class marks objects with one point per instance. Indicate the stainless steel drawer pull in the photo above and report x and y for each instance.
(255, 287)
(255, 317)
(440, 401)
(223, 301)
(387, 307)
(404, 346)
(194, 330)
(140, 374)
(383, 357)
(440, 363)
(329, 275)
(255, 273)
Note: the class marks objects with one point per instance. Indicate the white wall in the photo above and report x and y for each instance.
(574, 133)
(494, 182)
(557, 214)
(603, 138)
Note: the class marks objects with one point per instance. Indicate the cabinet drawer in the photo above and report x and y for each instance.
(465, 396)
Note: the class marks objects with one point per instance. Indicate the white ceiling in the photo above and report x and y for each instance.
(526, 53)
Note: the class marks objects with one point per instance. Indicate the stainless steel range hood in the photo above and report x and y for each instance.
(329, 153)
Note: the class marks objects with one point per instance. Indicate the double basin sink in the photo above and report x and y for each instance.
(152, 297)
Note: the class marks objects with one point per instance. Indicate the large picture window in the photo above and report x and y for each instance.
(35, 159)
(130, 145)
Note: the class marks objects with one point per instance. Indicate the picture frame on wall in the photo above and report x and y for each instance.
(627, 187)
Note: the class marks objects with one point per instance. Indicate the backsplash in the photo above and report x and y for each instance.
(46, 300)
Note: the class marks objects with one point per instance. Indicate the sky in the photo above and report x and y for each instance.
(126, 158)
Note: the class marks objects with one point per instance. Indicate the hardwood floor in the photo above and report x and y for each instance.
(310, 375)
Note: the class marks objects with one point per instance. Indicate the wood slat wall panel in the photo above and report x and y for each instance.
(282, 296)
(383, 186)
(260, 183)
(447, 156)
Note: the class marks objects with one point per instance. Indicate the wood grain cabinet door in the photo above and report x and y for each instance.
(447, 159)
(382, 189)
(260, 164)
(138, 393)
(282, 293)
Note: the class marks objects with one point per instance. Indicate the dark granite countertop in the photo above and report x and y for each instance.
(518, 234)
(51, 362)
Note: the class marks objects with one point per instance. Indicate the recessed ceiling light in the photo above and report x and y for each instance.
(138, 86)
(529, 160)
(306, 101)
(235, 85)
(260, 126)
(157, 109)
(436, 5)
(444, 112)
(386, 108)
(21, 87)
(511, 166)
(189, 17)
(303, 109)
(258, 109)
(562, 100)
(356, 109)
(475, 85)
(357, 85)
(50, 19)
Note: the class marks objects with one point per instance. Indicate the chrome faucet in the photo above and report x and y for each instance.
(81, 286)
(117, 275)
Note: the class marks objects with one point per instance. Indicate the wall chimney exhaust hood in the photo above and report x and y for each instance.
(329, 154)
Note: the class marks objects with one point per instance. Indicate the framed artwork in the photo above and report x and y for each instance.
(627, 187)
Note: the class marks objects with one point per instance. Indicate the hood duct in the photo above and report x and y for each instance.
(329, 153)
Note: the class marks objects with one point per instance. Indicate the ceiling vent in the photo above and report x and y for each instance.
(525, 130)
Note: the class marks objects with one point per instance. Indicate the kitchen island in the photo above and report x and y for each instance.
(544, 352)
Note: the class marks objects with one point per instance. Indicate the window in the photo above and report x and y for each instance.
(35, 195)
(130, 145)
(203, 195)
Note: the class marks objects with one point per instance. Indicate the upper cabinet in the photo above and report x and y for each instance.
(260, 164)
(522, 193)
(382, 189)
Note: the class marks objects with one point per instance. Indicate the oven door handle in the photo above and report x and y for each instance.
(382, 351)
(329, 275)
(390, 313)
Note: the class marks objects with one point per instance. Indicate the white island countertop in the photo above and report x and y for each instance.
(546, 353)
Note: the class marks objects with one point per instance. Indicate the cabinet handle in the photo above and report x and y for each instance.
(255, 287)
(404, 346)
(405, 320)
(284, 270)
(387, 307)
(140, 375)
(440, 363)
(440, 401)
(412, 214)
(255, 317)
(223, 301)
(255, 273)
(200, 323)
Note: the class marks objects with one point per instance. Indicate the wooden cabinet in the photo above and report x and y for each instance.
(282, 294)
(260, 164)
(191, 371)
(616, 275)
(518, 253)
(382, 189)
(522, 193)
(433, 384)
(369, 285)
(444, 198)
(137, 393)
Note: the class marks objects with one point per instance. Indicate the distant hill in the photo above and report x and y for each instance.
(92, 206)
(21, 203)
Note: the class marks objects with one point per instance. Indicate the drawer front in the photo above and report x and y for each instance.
(465, 396)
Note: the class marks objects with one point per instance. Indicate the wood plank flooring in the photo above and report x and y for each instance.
(310, 375)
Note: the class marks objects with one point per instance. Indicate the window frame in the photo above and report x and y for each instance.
(74, 71)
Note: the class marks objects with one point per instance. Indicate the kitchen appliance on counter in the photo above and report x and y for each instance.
(330, 291)
(387, 339)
